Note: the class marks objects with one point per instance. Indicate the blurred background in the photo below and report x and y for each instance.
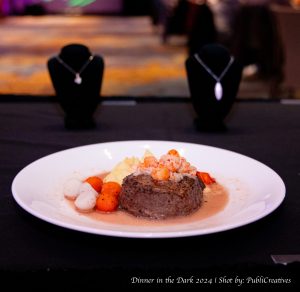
(145, 43)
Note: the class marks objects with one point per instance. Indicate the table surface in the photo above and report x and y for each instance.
(266, 131)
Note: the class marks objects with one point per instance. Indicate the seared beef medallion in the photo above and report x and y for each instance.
(143, 196)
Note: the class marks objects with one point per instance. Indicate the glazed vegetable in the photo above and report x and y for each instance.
(96, 182)
(205, 177)
(108, 200)
(111, 188)
(71, 188)
(86, 201)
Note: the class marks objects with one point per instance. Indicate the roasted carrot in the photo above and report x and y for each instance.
(107, 202)
(112, 188)
(96, 183)
(205, 177)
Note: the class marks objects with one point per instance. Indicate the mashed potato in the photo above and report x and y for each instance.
(125, 168)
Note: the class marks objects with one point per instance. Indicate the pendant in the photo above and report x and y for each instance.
(218, 91)
(78, 79)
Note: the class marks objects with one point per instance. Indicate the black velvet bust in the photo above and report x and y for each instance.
(79, 101)
(212, 112)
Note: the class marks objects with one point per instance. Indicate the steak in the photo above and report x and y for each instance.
(142, 196)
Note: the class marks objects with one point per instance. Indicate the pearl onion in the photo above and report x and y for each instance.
(86, 201)
(71, 188)
(86, 187)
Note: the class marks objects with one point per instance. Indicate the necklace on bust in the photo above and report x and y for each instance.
(218, 86)
(78, 78)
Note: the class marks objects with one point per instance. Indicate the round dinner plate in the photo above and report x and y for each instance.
(254, 189)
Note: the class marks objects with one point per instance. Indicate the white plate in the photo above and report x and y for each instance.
(255, 190)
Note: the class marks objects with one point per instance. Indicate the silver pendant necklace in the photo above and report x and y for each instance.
(78, 78)
(218, 86)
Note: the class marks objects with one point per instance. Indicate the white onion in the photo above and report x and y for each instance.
(86, 187)
(86, 201)
(71, 188)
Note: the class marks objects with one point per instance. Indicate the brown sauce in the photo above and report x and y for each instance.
(214, 200)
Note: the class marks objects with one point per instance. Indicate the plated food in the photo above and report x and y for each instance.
(245, 190)
(149, 187)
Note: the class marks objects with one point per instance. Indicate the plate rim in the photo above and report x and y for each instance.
(146, 234)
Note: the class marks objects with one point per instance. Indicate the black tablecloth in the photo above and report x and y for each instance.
(30, 247)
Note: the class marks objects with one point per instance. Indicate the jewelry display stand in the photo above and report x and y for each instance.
(213, 77)
(77, 76)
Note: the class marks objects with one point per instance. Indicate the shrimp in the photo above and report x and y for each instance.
(160, 173)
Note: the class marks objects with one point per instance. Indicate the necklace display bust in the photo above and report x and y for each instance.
(213, 78)
(77, 76)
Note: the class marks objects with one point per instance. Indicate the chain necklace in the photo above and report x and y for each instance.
(218, 86)
(78, 78)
